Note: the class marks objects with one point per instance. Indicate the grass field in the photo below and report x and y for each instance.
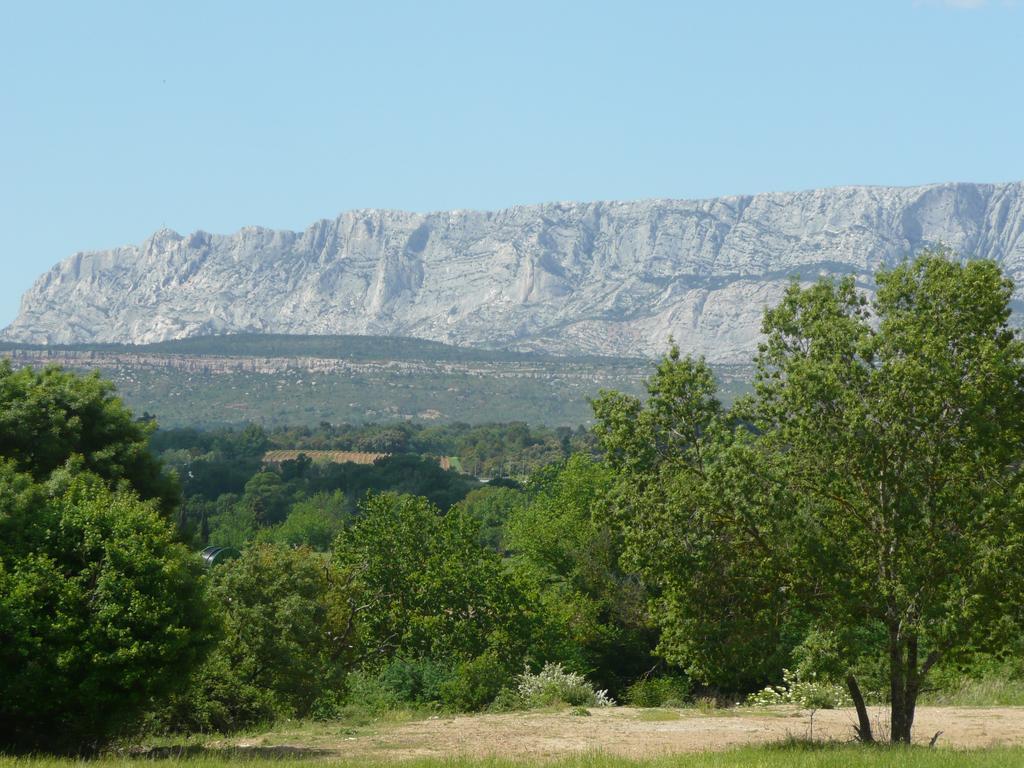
(608, 737)
(787, 756)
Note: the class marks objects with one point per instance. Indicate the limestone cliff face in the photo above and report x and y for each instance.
(613, 277)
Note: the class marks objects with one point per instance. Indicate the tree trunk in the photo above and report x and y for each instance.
(898, 731)
(864, 734)
(912, 686)
(905, 679)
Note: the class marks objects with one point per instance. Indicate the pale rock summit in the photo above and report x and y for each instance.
(609, 278)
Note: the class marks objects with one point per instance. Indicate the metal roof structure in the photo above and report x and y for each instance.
(216, 555)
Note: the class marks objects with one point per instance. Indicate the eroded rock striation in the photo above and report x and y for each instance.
(608, 278)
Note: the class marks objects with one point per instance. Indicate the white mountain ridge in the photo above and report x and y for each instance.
(613, 278)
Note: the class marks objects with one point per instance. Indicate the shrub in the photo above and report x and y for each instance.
(658, 691)
(288, 635)
(475, 684)
(806, 694)
(401, 683)
(553, 685)
(507, 700)
(414, 681)
(366, 691)
(457, 597)
(329, 705)
(101, 613)
(219, 698)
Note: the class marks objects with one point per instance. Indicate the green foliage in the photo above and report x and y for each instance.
(474, 684)
(896, 427)
(266, 497)
(430, 589)
(491, 507)
(567, 550)
(668, 690)
(717, 598)
(414, 681)
(211, 463)
(507, 449)
(871, 484)
(984, 681)
(232, 524)
(403, 683)
(403, 473)
(314, 522)
(288, 631)
(366, 692)
(540, 391)
(301, 503)
(101, 612)
(52, 421)
(669, 426)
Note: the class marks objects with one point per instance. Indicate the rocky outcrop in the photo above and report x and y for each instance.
(610, 278)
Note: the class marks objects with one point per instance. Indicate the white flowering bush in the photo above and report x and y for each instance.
(806, 694)
(553, 685)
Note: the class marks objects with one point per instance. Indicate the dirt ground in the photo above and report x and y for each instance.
(629, 732)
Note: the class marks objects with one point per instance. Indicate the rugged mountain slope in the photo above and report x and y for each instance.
(614, 278)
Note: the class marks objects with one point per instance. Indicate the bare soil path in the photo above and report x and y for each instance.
(628, 732)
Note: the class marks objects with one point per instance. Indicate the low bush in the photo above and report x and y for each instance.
(553, 686)
(415, 681)
(367, 692)
(669, 690)
(286, 647)
(806, 694)
(474, 684)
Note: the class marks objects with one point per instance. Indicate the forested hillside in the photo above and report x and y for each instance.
(306, 380)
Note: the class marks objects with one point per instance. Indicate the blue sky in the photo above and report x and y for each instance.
(119, 118)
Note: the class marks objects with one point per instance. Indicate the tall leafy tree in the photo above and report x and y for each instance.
(569, 549)
(101, 609)
(714, 588)
(314, 522)
(491, 507)
(896, 426)
(51, 419)
(869, 490)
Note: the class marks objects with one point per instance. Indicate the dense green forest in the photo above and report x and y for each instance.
(851, 531)
(229, 496)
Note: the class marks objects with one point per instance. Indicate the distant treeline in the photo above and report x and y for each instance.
(210, 460)
(230, 498)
